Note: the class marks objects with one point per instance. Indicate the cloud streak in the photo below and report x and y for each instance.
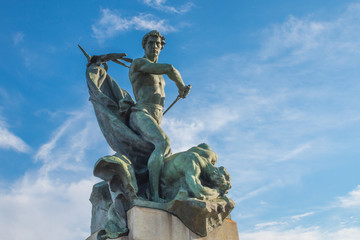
(38, 204)
(288, 108)
(294, 153)
(299, 40)
(162, 6)
(314, 233)
(8, 140)
(300, 216)
(111, 23)
(38, 207)
(71, 142)
(18, 38)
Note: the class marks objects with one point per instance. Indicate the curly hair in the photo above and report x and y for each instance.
(153, 33)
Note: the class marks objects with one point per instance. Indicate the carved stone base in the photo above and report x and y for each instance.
(150, 224)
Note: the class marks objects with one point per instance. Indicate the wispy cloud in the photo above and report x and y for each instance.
(284, 223)
(38, 204)
(293, 153)
(313, 233)
(300, 216)
(352, 200)
(268, 224)
(111, 23)
(257, 191)
(162, 6)
(66, 149)
(183, 134)
(296, 34)
(272, 107)
(8, 140)
(38, 207)
(294, 98)
(18, 38)
(190, 131)
(302, 39)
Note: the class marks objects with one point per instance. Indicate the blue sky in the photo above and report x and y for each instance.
(275, 94)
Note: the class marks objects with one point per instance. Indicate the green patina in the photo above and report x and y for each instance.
(144, 172)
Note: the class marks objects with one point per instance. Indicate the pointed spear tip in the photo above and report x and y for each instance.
(88, 57)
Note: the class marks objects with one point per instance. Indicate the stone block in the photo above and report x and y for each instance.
(150, 224)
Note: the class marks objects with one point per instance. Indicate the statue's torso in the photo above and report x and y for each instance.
(148, 88)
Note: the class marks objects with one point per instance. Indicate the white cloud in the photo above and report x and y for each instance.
(294, 98)
(255, 192)
(193, 130)
(18, 38)
(259, 121)
(8, 140)
(54, 199)
(183, 135)
(302, 39)
(38, 207)
(112, 23)
(268, 224)
(44, 153)
(300, 216)
(150, 22)
(352, 200)
(314, 233)
(298, 34)
(162, 6)
(67, 147)
(284, 223)
(293, 153)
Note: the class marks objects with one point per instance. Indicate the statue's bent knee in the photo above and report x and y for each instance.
(163, 144)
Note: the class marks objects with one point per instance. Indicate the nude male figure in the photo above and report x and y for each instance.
(148, 86)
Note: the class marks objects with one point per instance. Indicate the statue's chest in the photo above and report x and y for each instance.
(153, 80)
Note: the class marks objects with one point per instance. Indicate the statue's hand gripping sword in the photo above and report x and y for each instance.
(186, 92)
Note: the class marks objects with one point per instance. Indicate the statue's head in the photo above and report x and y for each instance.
(220, 179)
(153, 33)
(153, 42)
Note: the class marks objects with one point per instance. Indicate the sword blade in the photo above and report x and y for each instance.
(177, 99)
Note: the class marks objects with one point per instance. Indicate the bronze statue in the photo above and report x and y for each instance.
(144, 172)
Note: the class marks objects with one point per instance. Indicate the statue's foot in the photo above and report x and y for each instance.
(182, 195)
(101, 235)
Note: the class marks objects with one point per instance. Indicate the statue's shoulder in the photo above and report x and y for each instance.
(140, 61)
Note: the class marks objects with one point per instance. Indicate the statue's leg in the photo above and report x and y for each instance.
(149, 129)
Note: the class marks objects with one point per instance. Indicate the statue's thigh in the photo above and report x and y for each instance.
(147, 127)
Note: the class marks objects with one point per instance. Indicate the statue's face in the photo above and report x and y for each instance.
(153, 47)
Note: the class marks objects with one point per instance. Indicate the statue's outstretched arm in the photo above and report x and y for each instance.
(146, 66)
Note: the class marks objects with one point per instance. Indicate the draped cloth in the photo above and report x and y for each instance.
(112, 107)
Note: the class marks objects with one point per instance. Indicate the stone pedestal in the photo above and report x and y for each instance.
(151, 224)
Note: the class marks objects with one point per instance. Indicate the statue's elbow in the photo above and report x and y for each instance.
(171, 69)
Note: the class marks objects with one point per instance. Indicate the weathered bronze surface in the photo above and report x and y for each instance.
(144, 172)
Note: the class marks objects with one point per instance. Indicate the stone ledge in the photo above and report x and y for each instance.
(150, 224)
